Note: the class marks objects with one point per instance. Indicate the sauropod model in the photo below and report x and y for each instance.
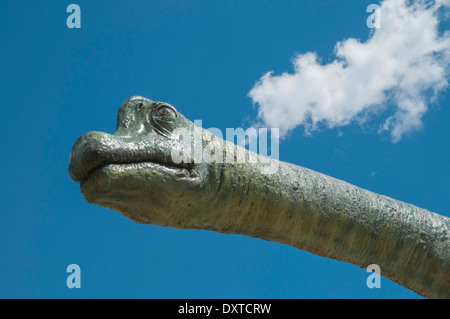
(137, 171)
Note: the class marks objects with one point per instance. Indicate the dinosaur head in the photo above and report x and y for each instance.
(138, 170)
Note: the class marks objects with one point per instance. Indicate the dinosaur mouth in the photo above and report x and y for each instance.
(96, 152)
(118, 169)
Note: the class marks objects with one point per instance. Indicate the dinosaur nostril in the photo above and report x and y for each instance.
(129, 111)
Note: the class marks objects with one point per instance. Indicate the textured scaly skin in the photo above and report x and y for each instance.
(132, 172)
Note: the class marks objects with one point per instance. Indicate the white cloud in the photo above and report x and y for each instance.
(401, 66)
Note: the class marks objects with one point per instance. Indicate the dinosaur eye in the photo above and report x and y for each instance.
(166, 111)
(163, 118)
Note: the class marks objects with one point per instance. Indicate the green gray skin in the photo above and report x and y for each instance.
(133, 172)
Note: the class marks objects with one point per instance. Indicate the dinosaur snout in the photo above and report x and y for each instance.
(91, 151)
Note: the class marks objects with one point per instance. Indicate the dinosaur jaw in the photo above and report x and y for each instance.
(115, 170)
(147, 192)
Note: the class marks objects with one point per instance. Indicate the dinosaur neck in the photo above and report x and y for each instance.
(332, 218)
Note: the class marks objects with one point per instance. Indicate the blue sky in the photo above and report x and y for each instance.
(203, 57)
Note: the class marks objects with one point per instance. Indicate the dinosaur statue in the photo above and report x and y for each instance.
(136, 172)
